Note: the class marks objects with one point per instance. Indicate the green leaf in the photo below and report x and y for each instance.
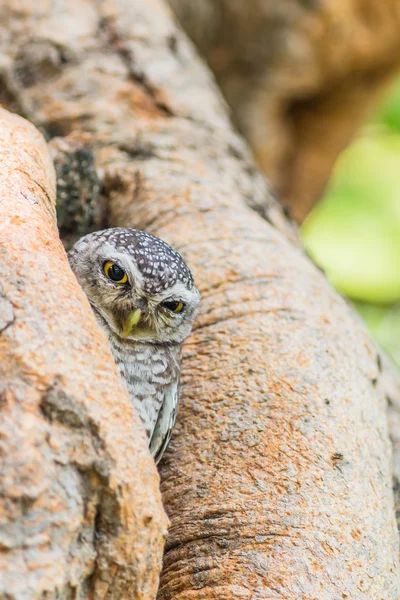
(354, 233)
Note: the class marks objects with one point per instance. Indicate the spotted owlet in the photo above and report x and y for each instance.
(143, 295)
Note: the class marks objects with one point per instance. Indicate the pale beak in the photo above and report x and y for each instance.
(132, 320)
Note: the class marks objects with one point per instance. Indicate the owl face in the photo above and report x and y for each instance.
(137, 283)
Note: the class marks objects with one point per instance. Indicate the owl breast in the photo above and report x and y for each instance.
(149, 372)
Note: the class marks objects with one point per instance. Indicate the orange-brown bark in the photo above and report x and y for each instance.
(277, 480)
(80, 509)
(301, 77)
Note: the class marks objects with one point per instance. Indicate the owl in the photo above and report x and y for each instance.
(143, 296)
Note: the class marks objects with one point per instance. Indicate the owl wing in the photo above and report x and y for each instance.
(165, 422)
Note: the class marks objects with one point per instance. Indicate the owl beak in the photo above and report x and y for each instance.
(131, 321)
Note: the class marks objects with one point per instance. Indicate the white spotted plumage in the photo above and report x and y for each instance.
(148, 357)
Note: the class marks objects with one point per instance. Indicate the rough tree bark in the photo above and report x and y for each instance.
(277, 481)
(301, 77)
(390, 383)
(80, 507)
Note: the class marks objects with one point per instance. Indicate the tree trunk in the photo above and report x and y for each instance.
(80, 509)
(390, 383)
(301, 77)
(277, 481)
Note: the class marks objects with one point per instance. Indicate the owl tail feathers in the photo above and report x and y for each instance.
(165, 422)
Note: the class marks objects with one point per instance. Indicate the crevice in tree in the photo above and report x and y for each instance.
(7, 315)
(79, 205)
(138, 150)
(9, 97)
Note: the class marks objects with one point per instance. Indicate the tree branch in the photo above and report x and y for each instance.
(301, 77)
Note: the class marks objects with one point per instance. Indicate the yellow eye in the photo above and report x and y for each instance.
(174, 305)
(114, 272)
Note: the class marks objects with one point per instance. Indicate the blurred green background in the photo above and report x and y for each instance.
(354, 232)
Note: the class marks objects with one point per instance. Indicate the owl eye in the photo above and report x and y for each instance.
(174, 305)
(114, 272)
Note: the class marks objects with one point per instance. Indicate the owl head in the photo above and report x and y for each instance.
(137, 284)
